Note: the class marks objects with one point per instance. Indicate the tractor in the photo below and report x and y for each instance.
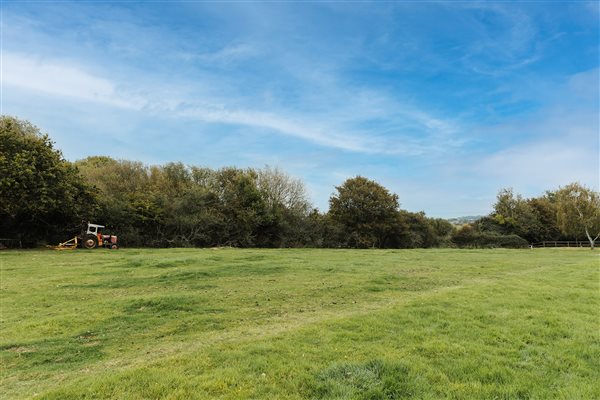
(92, 238)
(89, 238)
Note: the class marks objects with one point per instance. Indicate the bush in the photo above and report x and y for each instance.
(468, 236)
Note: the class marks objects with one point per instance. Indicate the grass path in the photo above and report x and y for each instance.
(300, 324)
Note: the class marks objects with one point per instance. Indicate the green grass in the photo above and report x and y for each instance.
(300, 324)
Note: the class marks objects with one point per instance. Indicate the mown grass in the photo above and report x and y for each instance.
(300, 324)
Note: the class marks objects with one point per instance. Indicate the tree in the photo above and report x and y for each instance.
(42, 196)
(129, 203)
(516, 215)
(544, 208)
(442, 228)
(366, 211)
(281, 189)
(578, 211)
(242, 205)
(415, 230)
(287, 208)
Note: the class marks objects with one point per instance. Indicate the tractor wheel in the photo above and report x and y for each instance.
(90, 242)
(114, 247)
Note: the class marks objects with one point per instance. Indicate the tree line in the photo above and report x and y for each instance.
(571, 212)
(44, 198)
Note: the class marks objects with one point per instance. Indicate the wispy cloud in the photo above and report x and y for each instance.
(61, 79)
(542, 165)
(561, 145)
(223, 56)
(338, 131)
(499, 51)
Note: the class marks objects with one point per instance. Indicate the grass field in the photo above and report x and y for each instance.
(300, 324)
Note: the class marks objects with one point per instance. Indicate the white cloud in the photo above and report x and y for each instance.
(225, 55)
(494, 53)
(330, 128)
(319, 132)
(585, 85)
(562, 146)
(543, 165)
(278, 124)
(64, 80)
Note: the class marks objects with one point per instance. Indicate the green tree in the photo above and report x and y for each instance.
(515, 215)
(545, 210)
(578, 211)
(42, 196)
(366, 212)
(128, 203)
(245, 219)
(190, 217)
(442, 228)
(415, 230)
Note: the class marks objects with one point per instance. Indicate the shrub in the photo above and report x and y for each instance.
(468, 236)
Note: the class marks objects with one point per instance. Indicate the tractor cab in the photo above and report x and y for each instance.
(92, 229)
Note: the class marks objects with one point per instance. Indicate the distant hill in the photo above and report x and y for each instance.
(464, 220)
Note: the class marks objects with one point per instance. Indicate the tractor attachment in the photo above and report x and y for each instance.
(68, 245)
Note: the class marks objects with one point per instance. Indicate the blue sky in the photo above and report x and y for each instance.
(444, 103)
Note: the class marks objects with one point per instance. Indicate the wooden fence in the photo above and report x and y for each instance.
(562, 243)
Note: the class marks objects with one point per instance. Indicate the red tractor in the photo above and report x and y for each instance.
(89, 238)
(92, 238)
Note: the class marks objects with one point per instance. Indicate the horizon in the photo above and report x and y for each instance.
(442, 103)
